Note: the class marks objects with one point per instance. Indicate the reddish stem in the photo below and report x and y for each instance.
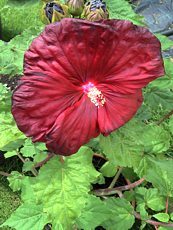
(165, 117)
(41, 163)
(112, 191)
(153, 222)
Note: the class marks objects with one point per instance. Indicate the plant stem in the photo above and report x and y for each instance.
(153, 222)
(20, 157)
(166, 116)
(41, 163)
(4, 174)
(133, 202)
(116, 177)
(34, 171)
(112, 191)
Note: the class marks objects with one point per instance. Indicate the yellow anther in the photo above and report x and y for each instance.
(94, 94)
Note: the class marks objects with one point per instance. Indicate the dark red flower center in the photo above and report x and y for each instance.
(94, 94)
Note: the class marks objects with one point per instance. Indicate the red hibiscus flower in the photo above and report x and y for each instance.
(84, 78)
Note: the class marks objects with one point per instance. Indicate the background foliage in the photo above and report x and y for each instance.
(72, 193)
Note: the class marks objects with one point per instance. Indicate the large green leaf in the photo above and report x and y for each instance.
(123, 147)
(158, 95)
(159, 173)
(127, 146)
(121, 216)
(164, 82)
(10, 136)
(94, 214)
(159, 98)
(156, 139)
(28, 217)
(121, 9)
(11, 54)
(27, 193)
(63, 188)
(16, 16)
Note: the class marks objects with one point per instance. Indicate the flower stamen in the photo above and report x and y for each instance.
(94, 94)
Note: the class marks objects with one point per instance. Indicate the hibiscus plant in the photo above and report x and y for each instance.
(90, 117)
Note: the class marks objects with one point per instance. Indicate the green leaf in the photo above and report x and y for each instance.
(108, 169)
(11, 54)
(129, 174)
(15, 181)
(123, 147)
(159, 94)
(30, 149)
(94, 214)
(151, 198)
(63, 187)
(164, 217)
(121, 215)
(171, 216)
(166, 81)
(121, 9)
(159, 173)
(165, 41)
(156, 138)
(27, 166)
(165, 228)
(28, 217)
(2, 3)
(39, 157)
(127, 146)
(5, 98)
(27, 192)
(10, 154)
(16, 16)
(129, 195)
(159, 98)
(10, 136)
(142, 210)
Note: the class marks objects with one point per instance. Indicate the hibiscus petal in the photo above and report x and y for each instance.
(39, 100)
(136, 59)
(73, 128)
(117, 110)
(87, 46)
